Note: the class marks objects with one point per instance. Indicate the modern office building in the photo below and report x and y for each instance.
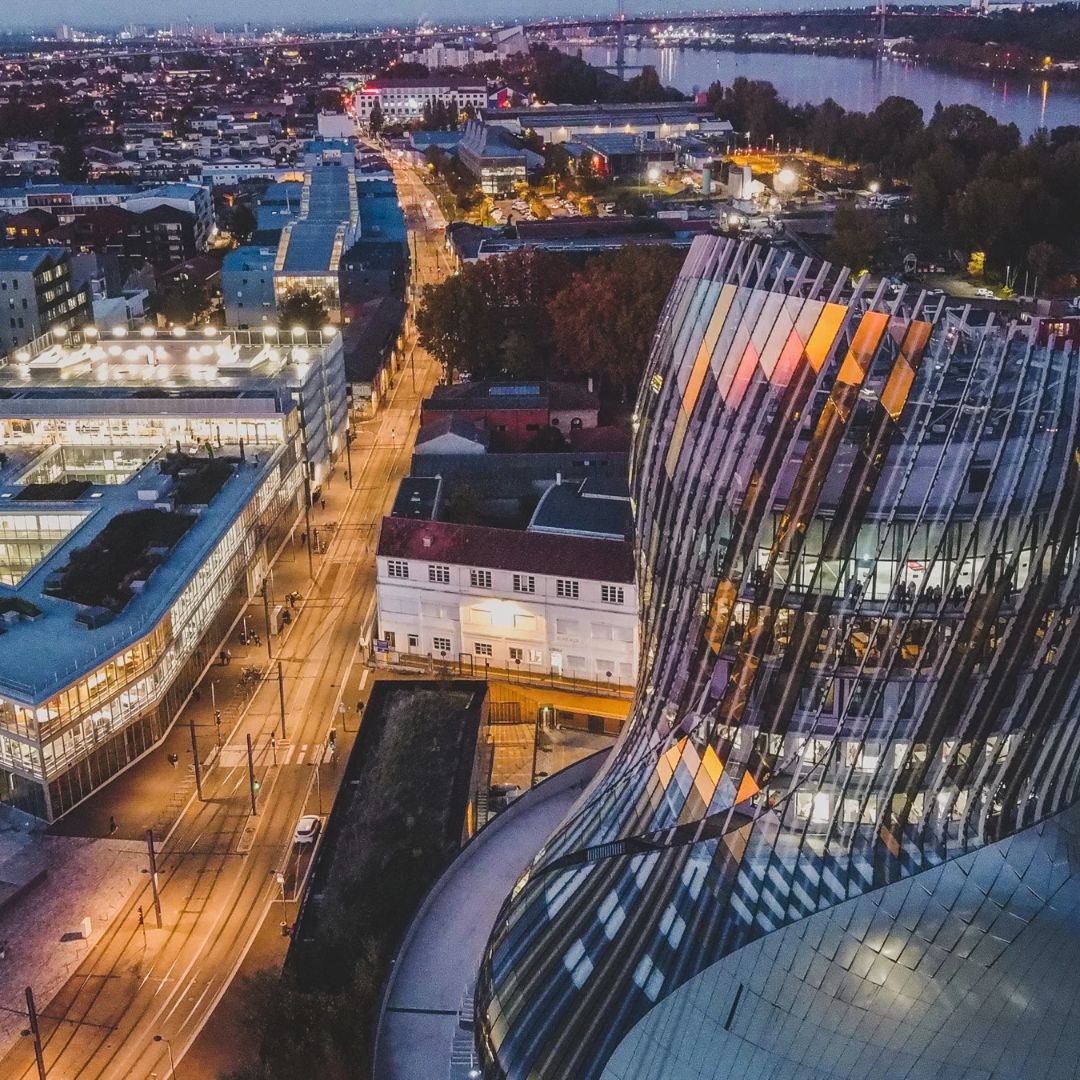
(839, 835)
(496, 159)
(36, 295)
(147, 484)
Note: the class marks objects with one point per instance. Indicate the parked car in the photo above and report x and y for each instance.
(307, 829)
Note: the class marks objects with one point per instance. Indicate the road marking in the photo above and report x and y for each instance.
(300, 757)
(364, 677)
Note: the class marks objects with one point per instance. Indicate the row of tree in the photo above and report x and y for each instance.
(538, 314)
(975, 184)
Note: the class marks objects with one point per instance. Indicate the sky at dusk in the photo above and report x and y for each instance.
(19, 14)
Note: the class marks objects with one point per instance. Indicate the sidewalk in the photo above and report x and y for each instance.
(152, 793)
(43, 927)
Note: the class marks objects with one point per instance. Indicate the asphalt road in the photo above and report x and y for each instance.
(217, 869)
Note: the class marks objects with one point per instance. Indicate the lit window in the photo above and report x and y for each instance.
(390, 638)
(482, 648)
(397, 568)
(480, 579)
(567, 588)
(439, 574)
(612, 594)
(524, 583)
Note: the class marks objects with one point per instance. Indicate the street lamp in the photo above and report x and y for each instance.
(172, 1063)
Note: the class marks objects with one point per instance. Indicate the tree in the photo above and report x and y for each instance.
(375, 118)
(303, 308)
(182, 301)
(242, 223)
(856, 238)
(71, 163)
(457, 326)
(604, 319)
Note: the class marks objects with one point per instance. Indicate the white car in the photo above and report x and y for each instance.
(307, 829)
(985, 294)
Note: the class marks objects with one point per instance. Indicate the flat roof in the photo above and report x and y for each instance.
(577, 510)
(39, 657)
(152, 371)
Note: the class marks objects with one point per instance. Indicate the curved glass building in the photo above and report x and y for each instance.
(835, 838)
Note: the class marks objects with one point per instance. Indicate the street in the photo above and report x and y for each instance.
(218, 866)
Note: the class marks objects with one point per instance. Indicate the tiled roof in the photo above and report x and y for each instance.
(507, 549)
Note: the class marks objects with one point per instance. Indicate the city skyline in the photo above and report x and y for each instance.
(26, 14)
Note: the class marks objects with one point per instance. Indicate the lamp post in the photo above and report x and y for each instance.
(168, 1045)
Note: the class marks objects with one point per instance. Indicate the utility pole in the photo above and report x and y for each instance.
(281, 697)
(307, 517)
(251, 776)
(153, 875)
(35, 1031)
(266, 617)
(195, 755)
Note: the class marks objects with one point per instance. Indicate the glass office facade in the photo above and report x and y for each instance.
(75, 740)
(857, 518)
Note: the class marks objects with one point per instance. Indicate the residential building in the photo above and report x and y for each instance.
(834, 838)
(402, 101)
(556, 598)
(36, 295)
(193, 200)
(514, 413)
(127, 552)
(67, 202)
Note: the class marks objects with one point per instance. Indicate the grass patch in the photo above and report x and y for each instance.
(390, 837)
(125, 551)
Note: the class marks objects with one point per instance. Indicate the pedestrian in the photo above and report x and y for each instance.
(322, 503)
(112, 824)
(228, 657)
(359, 708)
(142, 917)
(174, 760)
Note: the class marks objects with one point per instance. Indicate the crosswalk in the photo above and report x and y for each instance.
(229, 757)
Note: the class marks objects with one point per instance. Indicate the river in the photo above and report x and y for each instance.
(856, 83)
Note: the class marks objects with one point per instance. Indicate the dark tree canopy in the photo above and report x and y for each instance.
(304, 309)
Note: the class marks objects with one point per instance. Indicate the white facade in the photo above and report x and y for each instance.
(574, 627)
(402, 100)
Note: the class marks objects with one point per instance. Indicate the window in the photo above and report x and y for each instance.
(566, 588)
(516, 654)
(480, 579)
(612, 594)
(390, 638)
(524, 583)
(536, 656)
(439, 574)
(397, 568)
(414, 641)
(482, 648)
(441, 644)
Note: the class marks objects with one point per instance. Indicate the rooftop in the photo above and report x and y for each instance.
(507, 549)
(175, 373)
(511, 395)
(598, 507)
(41, 655)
